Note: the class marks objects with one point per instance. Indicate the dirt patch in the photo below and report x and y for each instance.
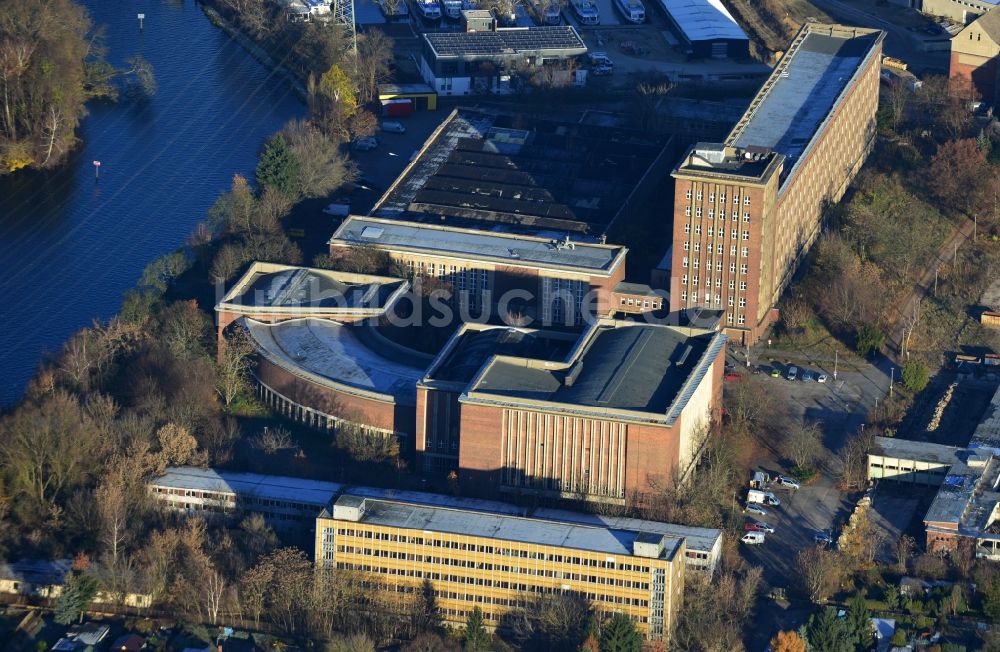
(767, 23)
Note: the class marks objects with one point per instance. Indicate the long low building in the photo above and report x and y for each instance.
(498, 562)
(292, 505)
(707, 28)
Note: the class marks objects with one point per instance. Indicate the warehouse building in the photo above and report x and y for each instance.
(707, 29)
(498, 562)
(746, 211)
(486, 59)
(502, 171)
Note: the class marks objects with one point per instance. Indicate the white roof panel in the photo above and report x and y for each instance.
(704, 20)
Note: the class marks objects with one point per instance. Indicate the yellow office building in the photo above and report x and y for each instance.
(496, 561)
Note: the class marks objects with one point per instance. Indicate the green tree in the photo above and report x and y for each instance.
(915, 376)
(827, 633)
(474, 636)
(278, 168)
(991, 601)
(78, 591)
(859, 621)
(869, 340)
(620, 635)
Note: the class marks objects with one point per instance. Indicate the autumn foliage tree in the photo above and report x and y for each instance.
(960, 176)
(788, 642)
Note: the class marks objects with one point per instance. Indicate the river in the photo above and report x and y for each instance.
(70, 244)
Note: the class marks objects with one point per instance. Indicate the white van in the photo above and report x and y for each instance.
(762, 497)
(753, 538)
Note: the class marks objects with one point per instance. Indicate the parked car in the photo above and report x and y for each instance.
(822, 378)
(752, 526)
(753, 538)
(393, 127)
(365, 144)
(339, 208)
(793, 373)
(764, 527)
(752, 508)
(775, 372)
(822, 538)
(600, 59)
(807, 376)
(601, 71)
(787, 483)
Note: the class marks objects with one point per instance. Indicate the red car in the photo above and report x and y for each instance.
(752, 526)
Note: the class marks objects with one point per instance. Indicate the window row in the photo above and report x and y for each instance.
(722, 197)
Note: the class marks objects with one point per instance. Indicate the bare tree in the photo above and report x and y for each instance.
(234, 366)
(819, 572)
(322, 168)
(375, 59)
(904, 547)
(215, 592)
(803, 444)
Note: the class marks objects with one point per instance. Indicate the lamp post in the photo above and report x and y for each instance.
(141, 18)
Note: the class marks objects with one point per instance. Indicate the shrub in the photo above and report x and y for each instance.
(869, 340)
(915, 376)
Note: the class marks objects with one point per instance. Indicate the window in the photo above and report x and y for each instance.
(746, 217)
(711, 231)
(735, 234)
(687, 228)
(732, 250)
(736, 215)
(722, 198)
(697, 211)
(743, 302)
(729, 318)
(743, 286)
(694, 280)
(732, 267)
(689, 193)
(687, 211)
(684, 295)
(697, 246)
(697, 228)
(742, 320)
(744, 252)
(746, 235)
(732, 285)
(718, 265)
(687, 245)
(697, 261)
(694, 297)
(685, 262)
(684, 281)
(746, 200)
(711, 196)
(743, 268)
(699, 195)
(718, 282)
(711, 213)
(730, 302)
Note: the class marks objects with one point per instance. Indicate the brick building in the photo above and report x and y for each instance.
(624, 412)
(553, 281)
(975, 56)
(320, 359)
(746, 211)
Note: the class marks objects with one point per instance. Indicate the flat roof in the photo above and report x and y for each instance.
(704, 20)
(987, 433)
(804, 90)
(636, 288)
(330, 353)
(405, 89)
(278, 487)
(521, 172)
(905, 449)
(699, 539)
(269, 287)
(505, 527)
(643, 369)
(36, 571)
(506, 249)
(507, 42)
(470, 347)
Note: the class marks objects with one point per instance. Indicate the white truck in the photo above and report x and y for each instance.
(753, 538)
(762, 497)
(452, 8)
(633, 10)
(586, 12)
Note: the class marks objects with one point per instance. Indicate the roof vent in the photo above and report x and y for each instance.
(648, 544)
(711, 152)
(682, 358)
(372, 232)
(514, 253)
